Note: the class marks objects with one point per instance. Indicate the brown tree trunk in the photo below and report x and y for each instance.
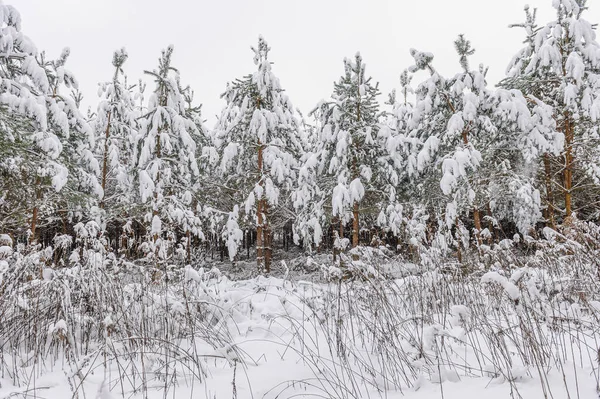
(259, 236)
(105, 162)
(355, 209)
(549, 194)
(477, 221)
(163, 102)
(355, 229)
(34, 222)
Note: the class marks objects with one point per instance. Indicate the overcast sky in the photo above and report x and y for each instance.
(309, 38)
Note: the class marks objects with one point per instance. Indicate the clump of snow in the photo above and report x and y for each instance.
(511, 289)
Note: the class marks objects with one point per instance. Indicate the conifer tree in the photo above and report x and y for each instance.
(473, 139)
(167, 164)
(62, 168)
(205, 157)
(560, 66)
(116, 129)
(347, 148)
(82, 188)
(309, 194)
(402, 145)
(259, 141)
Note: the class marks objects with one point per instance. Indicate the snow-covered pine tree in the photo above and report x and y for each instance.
(560, 65)
(448, 114)
(402, 145)
(116, 129)
(49, 122)
(205, 156)
(309, 195)
(82, 188)
(167, 166)
(454, 118)
(349, 150)
(259, 141)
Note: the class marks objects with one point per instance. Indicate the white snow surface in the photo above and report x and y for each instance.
(279, 345)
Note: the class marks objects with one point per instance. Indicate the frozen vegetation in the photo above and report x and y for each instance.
(506, 325)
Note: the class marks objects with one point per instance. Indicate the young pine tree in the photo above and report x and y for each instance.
(473, 139)
(167, 165)
(348, 150)
(116, 129)
(259, 140)
(560, 66)
(51, 140)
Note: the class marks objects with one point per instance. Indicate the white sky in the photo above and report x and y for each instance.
(309, 38)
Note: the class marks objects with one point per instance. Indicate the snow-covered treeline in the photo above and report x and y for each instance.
(447, 162)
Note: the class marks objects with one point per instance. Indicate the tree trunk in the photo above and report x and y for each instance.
(355, 229)
(34, 222)
(568, 132)
(155, 205)
(491, 227)
(259, 214)
(334, 235)
(355, 209)
(549, 194)
(268, 239)
(569, 159)
(477, 221)
(476, 213)
(105, 162)
(163, 102)
(248, 243)
(222, 249)
(189, 247)
(34, 216)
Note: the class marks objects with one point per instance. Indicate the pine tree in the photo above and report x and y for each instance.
(116, 128)
(560, 66)
(402, 146)
(205, 156)
(348, 150)
(309, 197)
(82, 188)
(62, 168)
(167, 164)
(476, 142)
(259, 141)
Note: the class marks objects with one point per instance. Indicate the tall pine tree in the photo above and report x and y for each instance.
(167, 164)
(259, 140)
(560, 65)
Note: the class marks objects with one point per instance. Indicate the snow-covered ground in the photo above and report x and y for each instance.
(201, 335)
